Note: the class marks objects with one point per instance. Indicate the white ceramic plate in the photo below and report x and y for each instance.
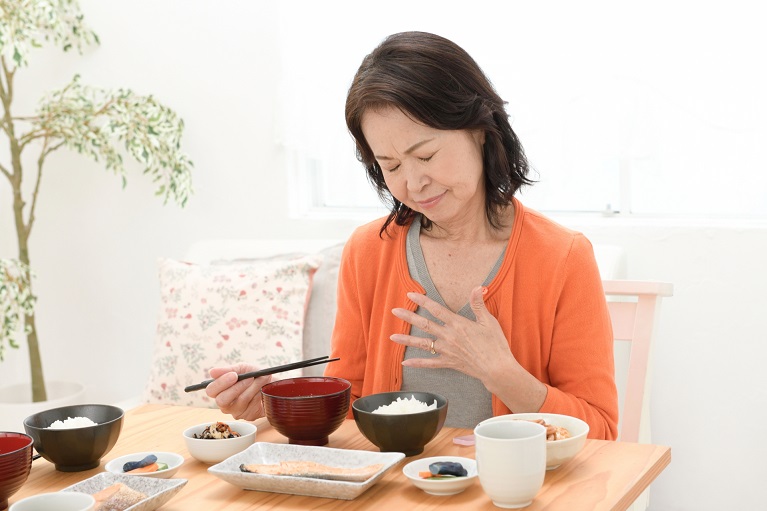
(158, 491)
(441, 486)
(268, 453)
(173, 460)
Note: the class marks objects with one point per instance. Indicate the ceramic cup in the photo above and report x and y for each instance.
(511, 461)
(60, 501)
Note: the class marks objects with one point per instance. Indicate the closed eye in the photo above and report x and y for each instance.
(426, 160)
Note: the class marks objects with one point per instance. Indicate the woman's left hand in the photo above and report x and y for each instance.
(477, 348)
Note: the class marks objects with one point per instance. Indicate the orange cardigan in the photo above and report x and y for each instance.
(547, 297)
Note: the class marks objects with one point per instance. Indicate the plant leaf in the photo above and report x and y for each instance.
(102, 124)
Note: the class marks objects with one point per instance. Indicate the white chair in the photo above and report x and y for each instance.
(634, 311)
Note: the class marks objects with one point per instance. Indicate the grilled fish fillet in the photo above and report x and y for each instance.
(315, 470)
(117, 498)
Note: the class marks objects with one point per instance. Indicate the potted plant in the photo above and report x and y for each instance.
(100, 124)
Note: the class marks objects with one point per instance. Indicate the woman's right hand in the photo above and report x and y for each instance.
(240, 399)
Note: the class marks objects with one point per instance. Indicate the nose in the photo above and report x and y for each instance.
(416, 178)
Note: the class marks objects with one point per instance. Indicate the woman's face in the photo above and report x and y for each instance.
(435, 172)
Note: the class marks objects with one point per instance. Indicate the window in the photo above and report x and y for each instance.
(650, 108)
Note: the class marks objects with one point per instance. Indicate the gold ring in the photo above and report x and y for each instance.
(433, 351)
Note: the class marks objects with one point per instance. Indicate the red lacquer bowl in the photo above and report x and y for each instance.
(307, 409)
(15, 464)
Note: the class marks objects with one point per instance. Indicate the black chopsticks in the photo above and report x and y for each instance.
(271, 370)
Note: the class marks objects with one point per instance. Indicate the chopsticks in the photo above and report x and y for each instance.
(271, 370)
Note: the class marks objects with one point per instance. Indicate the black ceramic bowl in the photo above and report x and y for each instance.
(407, 433)
(75, 449)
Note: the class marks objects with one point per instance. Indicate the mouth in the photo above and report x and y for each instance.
(431, 201)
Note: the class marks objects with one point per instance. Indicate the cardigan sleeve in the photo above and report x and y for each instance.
(348, 338)
(581, 366)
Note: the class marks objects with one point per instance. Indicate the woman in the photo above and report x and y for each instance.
(461, 290)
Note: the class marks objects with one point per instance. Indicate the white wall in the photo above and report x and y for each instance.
(707, 380)
(95, 245)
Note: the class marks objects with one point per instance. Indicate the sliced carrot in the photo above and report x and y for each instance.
(425, 474)
(153, 467)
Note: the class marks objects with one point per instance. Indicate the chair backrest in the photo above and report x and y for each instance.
(634, 309)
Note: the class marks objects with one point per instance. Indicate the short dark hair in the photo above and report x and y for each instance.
(437, 83)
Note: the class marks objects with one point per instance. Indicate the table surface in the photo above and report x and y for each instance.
(603, 476)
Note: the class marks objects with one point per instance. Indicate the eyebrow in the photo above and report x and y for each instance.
(408, 150)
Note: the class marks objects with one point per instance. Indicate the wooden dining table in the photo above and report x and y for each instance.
(605, 475)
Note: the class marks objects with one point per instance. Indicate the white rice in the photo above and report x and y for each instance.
(72, 422)
(403, 406)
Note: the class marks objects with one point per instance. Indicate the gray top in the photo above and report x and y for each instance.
(469, 402)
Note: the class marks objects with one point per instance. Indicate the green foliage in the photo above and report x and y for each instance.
(100, 124)
(92, 121)
(26, 24)
(16, 300)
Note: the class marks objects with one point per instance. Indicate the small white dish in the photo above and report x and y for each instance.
(173, 460)
(210, 451)
(58, 501)
(158, 491)
(441, 487)
(271, 454)
(557, 451)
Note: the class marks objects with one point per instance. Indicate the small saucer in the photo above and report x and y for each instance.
(448, 486)
(173, 460)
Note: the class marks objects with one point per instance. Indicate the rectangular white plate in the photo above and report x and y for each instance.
(158, 491)
(270, 454)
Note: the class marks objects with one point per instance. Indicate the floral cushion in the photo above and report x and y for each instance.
(222, 314)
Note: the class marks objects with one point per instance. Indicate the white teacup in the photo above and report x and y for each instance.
(59, 501)
(511, 461)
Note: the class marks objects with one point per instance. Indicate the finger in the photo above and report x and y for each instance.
(477, 301)
(425, 363)
(253, 412)
(410, 340)
(434, 328)
(215, 372)
(440, 312)
(240, 392)
(235, 405)
(223, 379)
(249, 399)
(255, 405)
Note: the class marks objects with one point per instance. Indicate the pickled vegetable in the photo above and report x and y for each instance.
(444, 469)
(133, 465)
(152, 467)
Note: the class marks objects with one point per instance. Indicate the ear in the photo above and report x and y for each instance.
(479, 137)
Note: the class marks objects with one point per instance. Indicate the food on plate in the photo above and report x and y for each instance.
(553, 433)
(218, 430)
(314, 470)
(403, 406)
(117, 497)
(152, 467)
(148, 464)
(71, 423)
(444, 470)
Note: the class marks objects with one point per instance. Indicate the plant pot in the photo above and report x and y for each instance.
(16, 402)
